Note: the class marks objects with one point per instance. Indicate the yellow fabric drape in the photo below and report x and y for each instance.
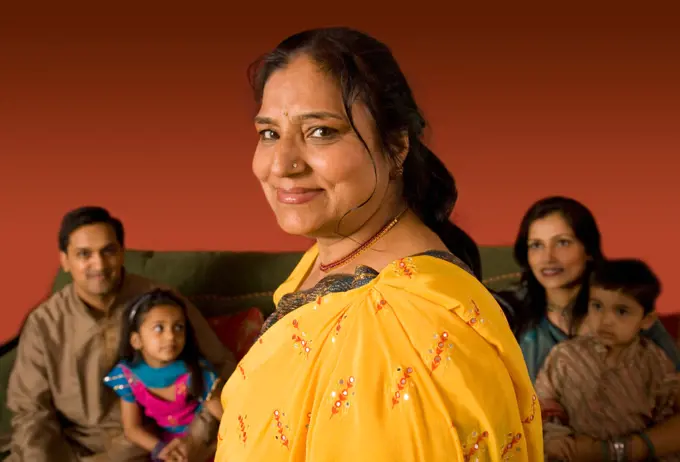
(418, 365)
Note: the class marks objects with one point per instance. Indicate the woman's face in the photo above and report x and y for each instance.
(556, 257)
(312, 166)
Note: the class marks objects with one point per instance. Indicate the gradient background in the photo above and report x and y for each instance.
(147, 111)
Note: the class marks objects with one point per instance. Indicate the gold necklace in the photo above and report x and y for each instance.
(363, 247)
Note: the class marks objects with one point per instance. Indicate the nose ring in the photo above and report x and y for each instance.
(295, 165)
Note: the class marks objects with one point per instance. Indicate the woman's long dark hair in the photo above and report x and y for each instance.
(532, 297)
(133, 317)
(366, 71)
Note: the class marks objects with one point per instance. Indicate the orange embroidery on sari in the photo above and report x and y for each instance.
(475, 444)
(402, 383)
(342, 399)
(281, 429)
(533, 411)
(242, 427)
(338, 324)
(512, 442)
(299, 340)
(439, 349)
(381, 304)
(405, 267)
(475, 315)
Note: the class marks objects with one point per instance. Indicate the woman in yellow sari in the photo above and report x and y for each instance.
(384, 345)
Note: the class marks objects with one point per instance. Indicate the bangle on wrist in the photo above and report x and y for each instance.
(605, 451)
(157, 450)
(651, 450)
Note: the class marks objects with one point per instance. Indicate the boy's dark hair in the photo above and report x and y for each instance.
(133, 316)
(630, 276)
(84, 216)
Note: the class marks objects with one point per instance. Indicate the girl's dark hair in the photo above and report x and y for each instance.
(133, 317)
(582, 222)
(366, 71)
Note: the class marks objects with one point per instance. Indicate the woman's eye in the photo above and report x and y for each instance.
(268, 135)
(322, 132)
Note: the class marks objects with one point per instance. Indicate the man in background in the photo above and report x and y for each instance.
(62, 412)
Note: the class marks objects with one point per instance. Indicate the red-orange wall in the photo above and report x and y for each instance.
(147, 111)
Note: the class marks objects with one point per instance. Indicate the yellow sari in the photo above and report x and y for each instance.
(417, 365)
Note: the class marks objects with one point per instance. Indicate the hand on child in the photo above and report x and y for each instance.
(562, 449)
(214, 407)
(176, 450)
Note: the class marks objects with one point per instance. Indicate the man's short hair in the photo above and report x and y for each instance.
(88, 215)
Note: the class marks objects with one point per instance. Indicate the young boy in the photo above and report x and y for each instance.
(599, 393)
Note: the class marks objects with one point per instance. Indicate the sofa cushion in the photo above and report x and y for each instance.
(238, 331)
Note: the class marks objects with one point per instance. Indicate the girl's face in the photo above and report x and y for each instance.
(161, 336)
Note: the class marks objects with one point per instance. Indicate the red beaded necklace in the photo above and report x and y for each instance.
(363, 247)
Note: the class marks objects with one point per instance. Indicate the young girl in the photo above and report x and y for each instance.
(160, 375)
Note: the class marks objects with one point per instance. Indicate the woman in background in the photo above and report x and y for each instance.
(557, 245)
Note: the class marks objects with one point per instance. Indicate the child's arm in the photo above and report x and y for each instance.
(131, 416)
(664, 435)
(213, 390)
(212, 400)
(214, 407)
(549, 388)
(558, 437)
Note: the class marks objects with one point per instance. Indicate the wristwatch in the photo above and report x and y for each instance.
(619, 450)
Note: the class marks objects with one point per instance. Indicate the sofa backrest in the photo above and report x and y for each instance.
(217, 282)
(225, 282)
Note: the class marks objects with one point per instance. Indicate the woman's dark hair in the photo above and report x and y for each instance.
(133, 317)
(366, 71)
(533, 297)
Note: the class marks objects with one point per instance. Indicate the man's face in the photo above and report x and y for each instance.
(94, 257)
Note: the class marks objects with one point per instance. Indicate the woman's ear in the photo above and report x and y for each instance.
(406, 145)
(400, 157)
